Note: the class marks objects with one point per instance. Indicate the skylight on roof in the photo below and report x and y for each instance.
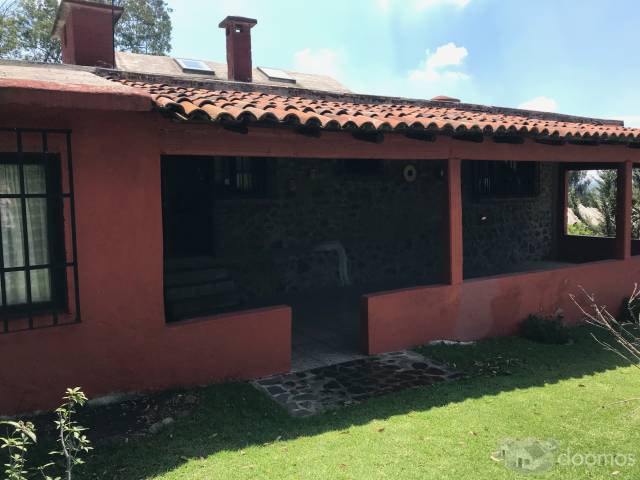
(277, 75)
(194, 66)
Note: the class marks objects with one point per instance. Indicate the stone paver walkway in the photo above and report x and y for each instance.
(313, 391)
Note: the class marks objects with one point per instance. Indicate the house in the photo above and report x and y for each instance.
(171, 222)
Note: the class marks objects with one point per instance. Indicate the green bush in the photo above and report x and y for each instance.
(630, 310)
(582, 229)
(545, 329)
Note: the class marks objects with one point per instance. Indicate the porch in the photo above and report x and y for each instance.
(341, 241)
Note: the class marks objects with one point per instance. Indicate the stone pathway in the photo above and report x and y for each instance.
(313, 391)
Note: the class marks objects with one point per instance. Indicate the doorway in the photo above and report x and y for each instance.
(187, 206)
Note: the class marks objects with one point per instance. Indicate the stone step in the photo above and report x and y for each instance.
(191, 277)
(194, 307)
(200, 290)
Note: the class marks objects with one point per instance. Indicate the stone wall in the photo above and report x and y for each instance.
(504, 234)
(391, 229)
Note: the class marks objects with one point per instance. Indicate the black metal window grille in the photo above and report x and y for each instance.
(38, 249)
(240, 176)
(506, 178)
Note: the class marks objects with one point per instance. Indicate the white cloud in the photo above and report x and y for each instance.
(438, 65)
(323, 61)
(541, 103)
(420, 5)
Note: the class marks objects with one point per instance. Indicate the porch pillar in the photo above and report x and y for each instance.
(453, 263)
(623, 210)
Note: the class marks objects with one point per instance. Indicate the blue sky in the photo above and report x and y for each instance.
(570, 56)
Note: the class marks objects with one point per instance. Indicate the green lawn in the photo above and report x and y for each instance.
(515, 388)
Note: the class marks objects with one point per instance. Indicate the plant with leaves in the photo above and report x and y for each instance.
(26, 25)
(145, 27)
(579, 193)
(8, 29)
(17, 444)
(72, 440)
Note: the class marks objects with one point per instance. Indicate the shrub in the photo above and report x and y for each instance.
(72, 442)
(629, 310)
(545, 329)
(625, 332)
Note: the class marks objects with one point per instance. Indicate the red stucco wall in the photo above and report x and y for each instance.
(491, 306)
(123, 343)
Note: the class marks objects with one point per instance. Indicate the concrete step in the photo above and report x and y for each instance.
(194, 307)
(191, 277)
(201, 290)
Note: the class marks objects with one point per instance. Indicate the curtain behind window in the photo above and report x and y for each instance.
(11, 223)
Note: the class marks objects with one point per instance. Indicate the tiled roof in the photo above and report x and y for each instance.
(336, 112)
(163, 65)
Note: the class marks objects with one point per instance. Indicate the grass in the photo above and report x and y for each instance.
(513, 388)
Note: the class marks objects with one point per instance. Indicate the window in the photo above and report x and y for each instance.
(277, 75)
(194, 66)
(505, 178)
(240, 176)
(31, 230)
(362, 166)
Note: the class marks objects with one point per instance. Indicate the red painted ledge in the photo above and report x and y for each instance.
(85, 97)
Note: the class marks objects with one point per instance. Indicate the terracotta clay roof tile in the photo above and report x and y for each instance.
(216, 105)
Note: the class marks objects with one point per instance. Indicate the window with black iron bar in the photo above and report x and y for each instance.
(240, 176)
(505, 179)
(36, 272)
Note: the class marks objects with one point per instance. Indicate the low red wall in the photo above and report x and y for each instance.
(123, 343)
(578, 248)
(102, 358)
(491, 306)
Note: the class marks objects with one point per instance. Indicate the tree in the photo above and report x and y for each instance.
(34, 21)
(145, 27)
(8, 28)
(25, 28)
(606, 201)
(579, 184)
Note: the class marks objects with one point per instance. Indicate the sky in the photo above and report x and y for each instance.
(569, 56)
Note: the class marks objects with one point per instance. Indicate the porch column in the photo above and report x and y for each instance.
(453, 263)
(623, 210)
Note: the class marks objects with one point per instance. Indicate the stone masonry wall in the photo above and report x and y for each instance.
(391, 229)
(515, 230)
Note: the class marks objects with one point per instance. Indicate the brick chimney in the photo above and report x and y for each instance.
(238, 32)
(85, 31)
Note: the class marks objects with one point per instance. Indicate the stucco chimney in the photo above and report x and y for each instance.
(238, 32)
(85, 31)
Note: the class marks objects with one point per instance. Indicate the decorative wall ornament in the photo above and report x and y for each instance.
(410, 173)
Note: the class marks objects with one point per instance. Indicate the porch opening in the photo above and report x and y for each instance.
(525, 216)
(589, 233)
(315, 234)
